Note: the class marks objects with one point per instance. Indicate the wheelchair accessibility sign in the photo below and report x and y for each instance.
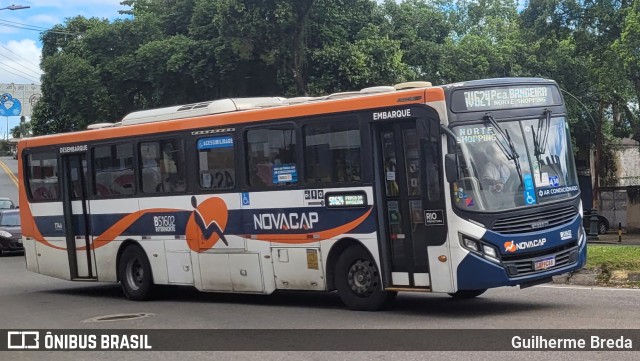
(246, 201)
(530, 197)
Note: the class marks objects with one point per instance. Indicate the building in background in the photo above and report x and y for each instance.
(619, 201)
(17, 100)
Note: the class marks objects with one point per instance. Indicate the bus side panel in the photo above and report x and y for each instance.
(30, 254)
(106, 261)
(104, 214)
(28, 239)
(52, 256)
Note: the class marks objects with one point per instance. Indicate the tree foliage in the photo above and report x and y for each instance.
(169, 52)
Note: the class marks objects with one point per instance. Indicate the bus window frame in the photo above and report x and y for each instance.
(331, 119)
(238, 152)
(92, 174)
(138, 159)
(26, 178)
(246, 172)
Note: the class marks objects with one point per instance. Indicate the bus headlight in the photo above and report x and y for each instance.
(470, 244)
(5, 234)
(487, 251)
(581, 235)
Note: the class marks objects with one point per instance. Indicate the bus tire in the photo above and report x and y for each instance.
(467, 294)
(358, 281)
(135, 274)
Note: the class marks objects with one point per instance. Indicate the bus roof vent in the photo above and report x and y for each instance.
(412, 84)
(299, 100)
(378, 89)
(199, 109)
(342, 95)
(100, 125)
(254, 103)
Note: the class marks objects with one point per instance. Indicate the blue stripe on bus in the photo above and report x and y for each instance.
(260, 221)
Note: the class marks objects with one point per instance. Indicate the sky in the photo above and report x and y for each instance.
(20, 49)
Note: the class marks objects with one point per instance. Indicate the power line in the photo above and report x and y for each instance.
(18, 70)
(20, 56)
(32, 71)
(15, 25)
(22, 76)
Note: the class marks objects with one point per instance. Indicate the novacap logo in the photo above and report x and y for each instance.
(511, 246)
(206, 225)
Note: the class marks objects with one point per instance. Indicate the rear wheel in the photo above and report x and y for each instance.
(467, 294)
(134, 272)
(358, 281)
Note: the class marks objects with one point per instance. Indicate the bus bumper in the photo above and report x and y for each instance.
(474, 272)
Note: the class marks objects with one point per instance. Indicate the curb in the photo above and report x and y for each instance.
(585, 277)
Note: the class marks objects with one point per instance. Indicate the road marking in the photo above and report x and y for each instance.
(9, 172)
(591, 288)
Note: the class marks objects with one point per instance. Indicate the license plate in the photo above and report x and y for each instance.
(544, 263)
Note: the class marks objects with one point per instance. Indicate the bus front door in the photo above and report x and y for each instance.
(76, 216)
(404, 203)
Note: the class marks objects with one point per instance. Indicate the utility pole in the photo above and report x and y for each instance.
(598, 156)
(22, 126)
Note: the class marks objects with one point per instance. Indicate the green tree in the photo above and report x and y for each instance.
(21, 131)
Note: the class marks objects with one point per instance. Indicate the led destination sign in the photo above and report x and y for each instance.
(337, 200)
(505, 97)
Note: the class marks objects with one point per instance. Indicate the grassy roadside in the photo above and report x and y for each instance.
(613, 258)
(614, 265)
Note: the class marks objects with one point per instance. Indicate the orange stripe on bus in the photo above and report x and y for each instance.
(118, 229)
(245, 116)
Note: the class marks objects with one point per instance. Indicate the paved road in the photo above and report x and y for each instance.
(34, 301)
(29, 300)
(8, 185)
(41, 301)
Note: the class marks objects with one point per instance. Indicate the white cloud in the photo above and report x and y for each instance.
(19, 62)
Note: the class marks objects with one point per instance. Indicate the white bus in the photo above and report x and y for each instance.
(452, 189)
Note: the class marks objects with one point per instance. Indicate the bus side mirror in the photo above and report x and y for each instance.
(451, 168)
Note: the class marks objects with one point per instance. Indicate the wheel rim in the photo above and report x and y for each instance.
(362, 277)
(135, 273)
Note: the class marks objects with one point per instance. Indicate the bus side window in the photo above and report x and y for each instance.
(42, 176)
(150, 167)
(162, 166)
(332, 152)
(216, 162)
(271, 157)
(113, 170)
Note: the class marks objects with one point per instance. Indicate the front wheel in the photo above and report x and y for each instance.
(467, 294)
(134, 272)
(358, 281)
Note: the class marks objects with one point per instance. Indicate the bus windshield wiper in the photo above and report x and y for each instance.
(509, 149)
(540, 138)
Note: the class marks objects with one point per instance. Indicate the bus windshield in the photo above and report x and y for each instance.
(520, 164)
